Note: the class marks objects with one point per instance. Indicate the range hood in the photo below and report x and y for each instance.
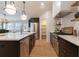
(62, 14)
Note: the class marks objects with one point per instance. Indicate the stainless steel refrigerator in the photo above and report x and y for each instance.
(34, 28)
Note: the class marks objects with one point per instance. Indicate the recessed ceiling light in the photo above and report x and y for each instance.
(42, 4)
(58, 3)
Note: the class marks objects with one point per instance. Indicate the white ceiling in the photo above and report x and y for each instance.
(32, 8)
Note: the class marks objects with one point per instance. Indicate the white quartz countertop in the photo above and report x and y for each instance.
(71, 38)
(14, 36)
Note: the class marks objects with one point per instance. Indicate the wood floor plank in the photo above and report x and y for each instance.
(43, 49)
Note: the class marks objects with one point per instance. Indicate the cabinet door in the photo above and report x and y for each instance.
(51, 39)
(9, 49)
(24, 47)
(67, 49)
(31, 42)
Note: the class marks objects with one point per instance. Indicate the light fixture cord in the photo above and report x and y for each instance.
(12, 2)
(23, 6)
(5, 5)
(4, 9)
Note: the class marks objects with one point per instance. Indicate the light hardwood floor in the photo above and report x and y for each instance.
(43, 49)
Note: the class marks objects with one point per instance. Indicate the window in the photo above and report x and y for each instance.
(16, 27)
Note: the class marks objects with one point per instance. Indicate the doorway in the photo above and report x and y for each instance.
(43, 27)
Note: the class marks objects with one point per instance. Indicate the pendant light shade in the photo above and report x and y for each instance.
(23, 16)
(10, 8)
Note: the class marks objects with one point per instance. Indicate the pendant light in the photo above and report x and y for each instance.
(10, 8)
(23, 16)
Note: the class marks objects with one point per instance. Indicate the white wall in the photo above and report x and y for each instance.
(56, 8)
(66, 21)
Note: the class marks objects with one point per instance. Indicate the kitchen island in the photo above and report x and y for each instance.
(65, 45)
(16, 44)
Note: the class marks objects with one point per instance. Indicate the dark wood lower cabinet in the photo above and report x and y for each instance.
(67, 49)
(54, 42)
(64, 48)
(31, 43)
(21, 48)
(26, 45)
(51, 39)
(9, 49)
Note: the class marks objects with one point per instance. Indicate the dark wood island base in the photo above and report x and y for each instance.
(22, 48)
